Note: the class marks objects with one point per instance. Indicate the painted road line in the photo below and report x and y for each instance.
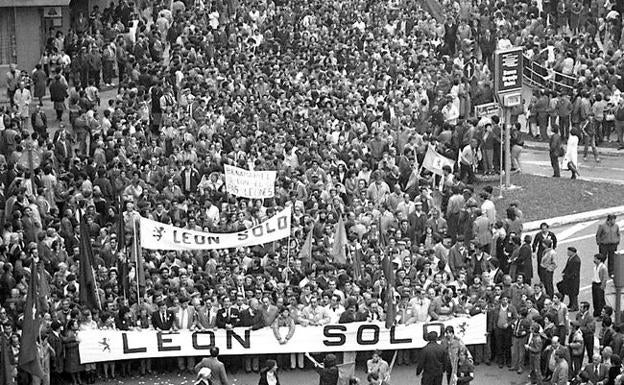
(567, 233)
(583, 237)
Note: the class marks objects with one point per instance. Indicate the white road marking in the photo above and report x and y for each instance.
(582, 237)
(567, 233)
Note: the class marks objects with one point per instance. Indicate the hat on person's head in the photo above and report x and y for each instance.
(572, 249)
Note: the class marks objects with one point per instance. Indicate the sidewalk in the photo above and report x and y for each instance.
(543, 146)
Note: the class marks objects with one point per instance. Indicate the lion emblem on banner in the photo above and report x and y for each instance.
(158, 232)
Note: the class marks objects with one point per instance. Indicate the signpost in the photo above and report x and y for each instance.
(508, 91)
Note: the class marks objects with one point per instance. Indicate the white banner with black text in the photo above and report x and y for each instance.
(160, 236)
(112, 345)
(249, 184)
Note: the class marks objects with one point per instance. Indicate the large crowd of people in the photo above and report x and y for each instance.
(342, 99)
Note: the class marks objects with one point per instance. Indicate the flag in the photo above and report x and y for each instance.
(122, 263)
(28, 359)
(44, 290)
(340, 243)
(5, 362)
(388, 271)
(88, 294)
(390, 307)
(382, 237)
(137, 258)
(121, 226)
(305, 254)
(434, 161)
(357, 263)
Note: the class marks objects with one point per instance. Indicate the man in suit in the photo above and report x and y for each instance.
(184, 319)
(205, 315)
(56, 361)
(228, 316)
(162, 319)
(218, 374)
(549, 357)
(571, 279)
(587, 326)
(560, 374)
(252, 318)
(538, 246)
(432, 361)
(594, 372)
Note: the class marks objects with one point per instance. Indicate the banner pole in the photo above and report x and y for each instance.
(394, 357)
(137, 248)
(288, 253)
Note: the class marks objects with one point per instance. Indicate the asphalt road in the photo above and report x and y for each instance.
(581, 236)
(401, 375)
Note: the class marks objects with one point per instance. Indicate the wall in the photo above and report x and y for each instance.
(28, 34)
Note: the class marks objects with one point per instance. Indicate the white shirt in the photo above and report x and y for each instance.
(334, 314)
(183, 316)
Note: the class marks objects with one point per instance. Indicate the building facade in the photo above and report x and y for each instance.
(25, 26)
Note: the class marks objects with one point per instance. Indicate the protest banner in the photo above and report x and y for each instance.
(488, 110)
(159, 236)
(434, 161)
(113, 345)
(249, 184)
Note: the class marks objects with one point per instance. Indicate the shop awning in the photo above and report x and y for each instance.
(33, 3)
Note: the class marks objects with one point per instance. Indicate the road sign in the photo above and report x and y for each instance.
(469, 70)
(508, 70)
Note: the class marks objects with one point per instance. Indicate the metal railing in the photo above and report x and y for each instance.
(538, 76)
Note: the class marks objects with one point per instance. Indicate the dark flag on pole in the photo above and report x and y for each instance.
(88, 293)
(28, 359)
(389, 300)
(122, 263)
(357, 263)
(6, 367)
(44, 289)
(339, 251)
(137, 257)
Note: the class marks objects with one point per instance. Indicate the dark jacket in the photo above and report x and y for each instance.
(524, 262)
(263, 378)
(58, 91)
(432, 361)
(223, 318)
(255, 321)
(571, 276)
(163, 324)
(328, 376)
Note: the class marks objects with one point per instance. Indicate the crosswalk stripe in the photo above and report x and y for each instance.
(567, 233)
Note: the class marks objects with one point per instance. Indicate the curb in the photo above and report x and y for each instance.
(574, 218)
(610, 152)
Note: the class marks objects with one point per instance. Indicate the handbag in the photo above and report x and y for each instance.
(560, 151)
(561, 287)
